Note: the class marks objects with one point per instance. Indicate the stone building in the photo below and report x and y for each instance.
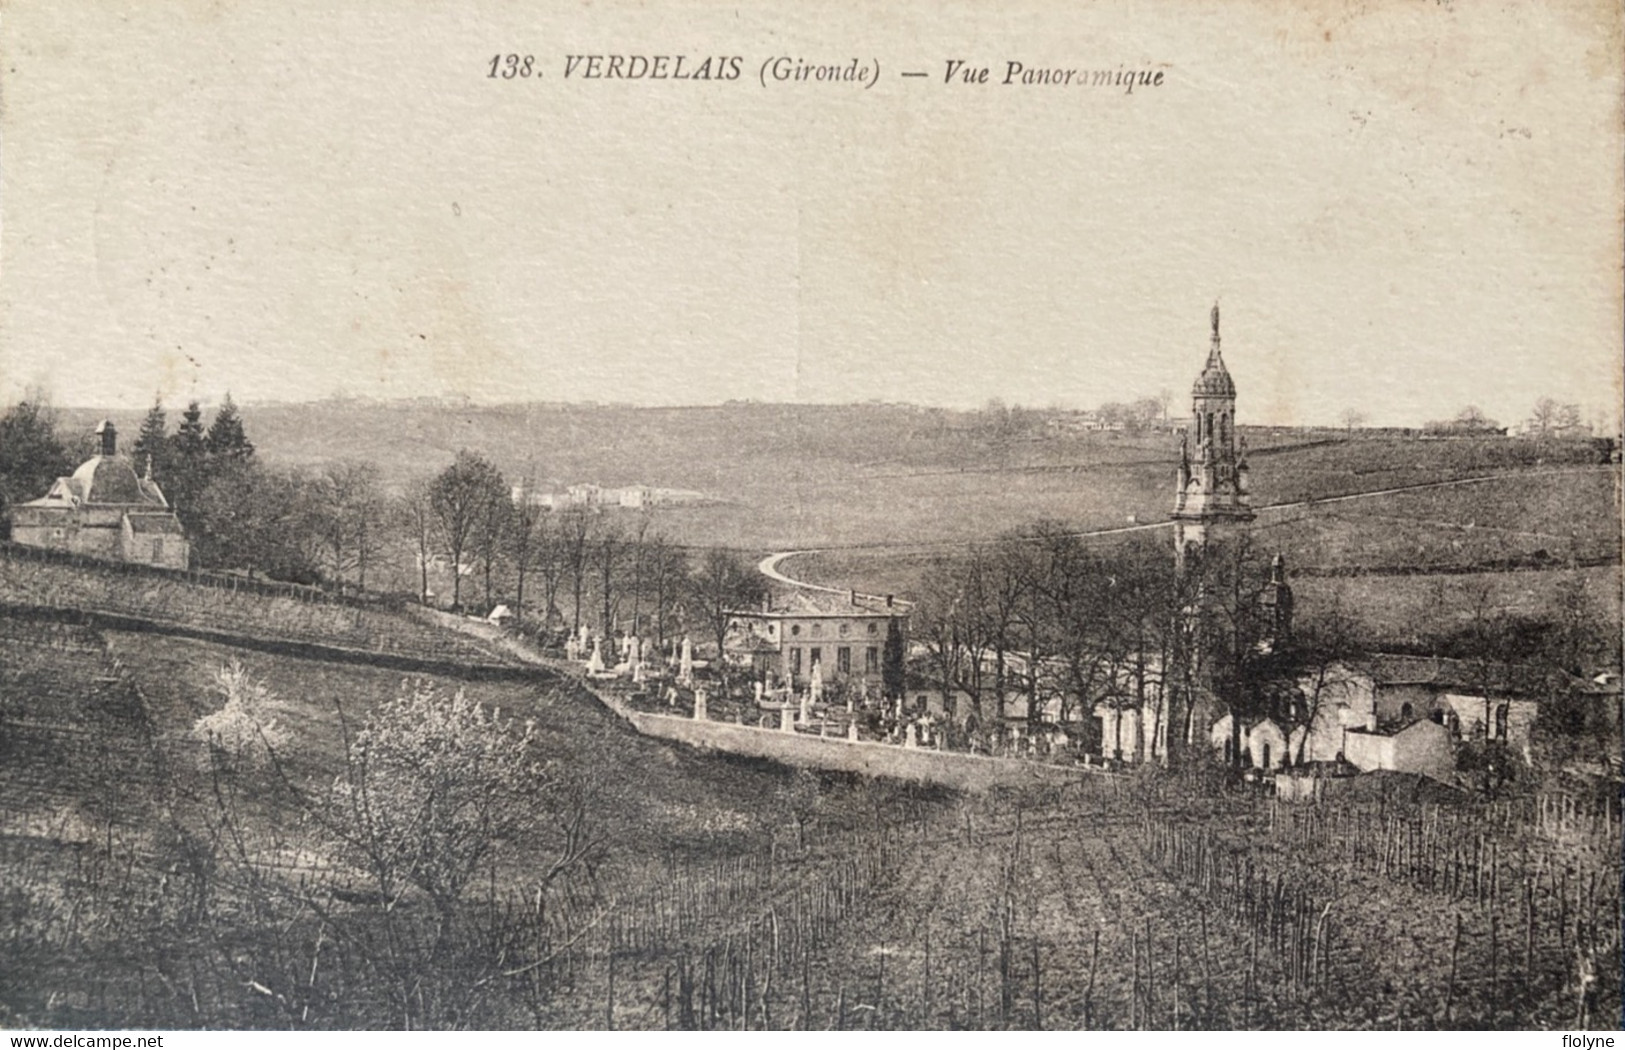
(845, 634)
(105, 510)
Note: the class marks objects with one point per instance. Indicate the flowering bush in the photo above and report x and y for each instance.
(430, 785)
(243, 731)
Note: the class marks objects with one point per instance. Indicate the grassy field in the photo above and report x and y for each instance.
(1400, 564)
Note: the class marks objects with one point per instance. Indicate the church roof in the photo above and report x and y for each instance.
(1215, 379)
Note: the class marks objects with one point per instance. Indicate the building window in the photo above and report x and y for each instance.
(874, 628)
(795, 661)
(843, 659)
(158, 550)
(1405, 711)
(1501, 721)
(815, 656)
(871, 660)
(795, 629)
(817, 629)
(844, 628)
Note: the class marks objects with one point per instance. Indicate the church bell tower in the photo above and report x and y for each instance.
(1212, 482)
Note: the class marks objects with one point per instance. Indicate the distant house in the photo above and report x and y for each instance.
(105, 510)
(587, 494)
(844, 634)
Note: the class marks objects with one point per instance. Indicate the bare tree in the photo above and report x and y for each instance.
(414, 510)
(576, 528)
(721, 585)
(608, 552)
(465, 498)
(526, 538)
(347, 516)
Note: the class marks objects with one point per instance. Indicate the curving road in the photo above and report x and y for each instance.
(769, 566)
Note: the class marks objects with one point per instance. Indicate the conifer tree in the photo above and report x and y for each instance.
(152, 444)
(187, 468)
(892, 680)
(31, 454)
(226, 439)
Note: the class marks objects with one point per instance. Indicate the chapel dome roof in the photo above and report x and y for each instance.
(112, 479)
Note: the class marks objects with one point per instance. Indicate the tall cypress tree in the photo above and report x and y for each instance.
(892, 681)
(152, 444)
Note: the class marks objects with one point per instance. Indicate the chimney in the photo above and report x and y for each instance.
(852, 595)
(109, 436)
(888, 601)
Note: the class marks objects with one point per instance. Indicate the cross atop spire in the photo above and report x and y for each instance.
(1215, 322)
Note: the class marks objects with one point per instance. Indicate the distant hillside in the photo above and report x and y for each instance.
(817, 475)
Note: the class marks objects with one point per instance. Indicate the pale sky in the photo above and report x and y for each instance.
(1402, 207)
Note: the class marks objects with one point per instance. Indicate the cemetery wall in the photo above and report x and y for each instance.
(964, 772)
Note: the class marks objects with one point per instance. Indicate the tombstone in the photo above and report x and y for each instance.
(585, 636)
(815, 682)
(758, 686)
(852, 731)
(637, 673)
(685, 665)
(699, 704)
(671, 696)
(787, 719)
(908, 736)
(806, 700)
(572, 649)
(595, 662)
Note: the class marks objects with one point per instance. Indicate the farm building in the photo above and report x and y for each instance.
(1387, 689)
(105, 510)
(1422, 746)
(843, 633)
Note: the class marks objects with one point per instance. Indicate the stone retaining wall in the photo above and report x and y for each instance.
(947, 768)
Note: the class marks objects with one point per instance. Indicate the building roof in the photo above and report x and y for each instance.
(105, 481)
(1445, 673)
(112, 479)
(828, 603)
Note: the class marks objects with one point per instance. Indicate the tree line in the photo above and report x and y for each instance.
(466, 528)
(1066, 626)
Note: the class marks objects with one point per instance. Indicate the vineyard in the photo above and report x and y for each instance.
(276, 612)
(729, 894)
